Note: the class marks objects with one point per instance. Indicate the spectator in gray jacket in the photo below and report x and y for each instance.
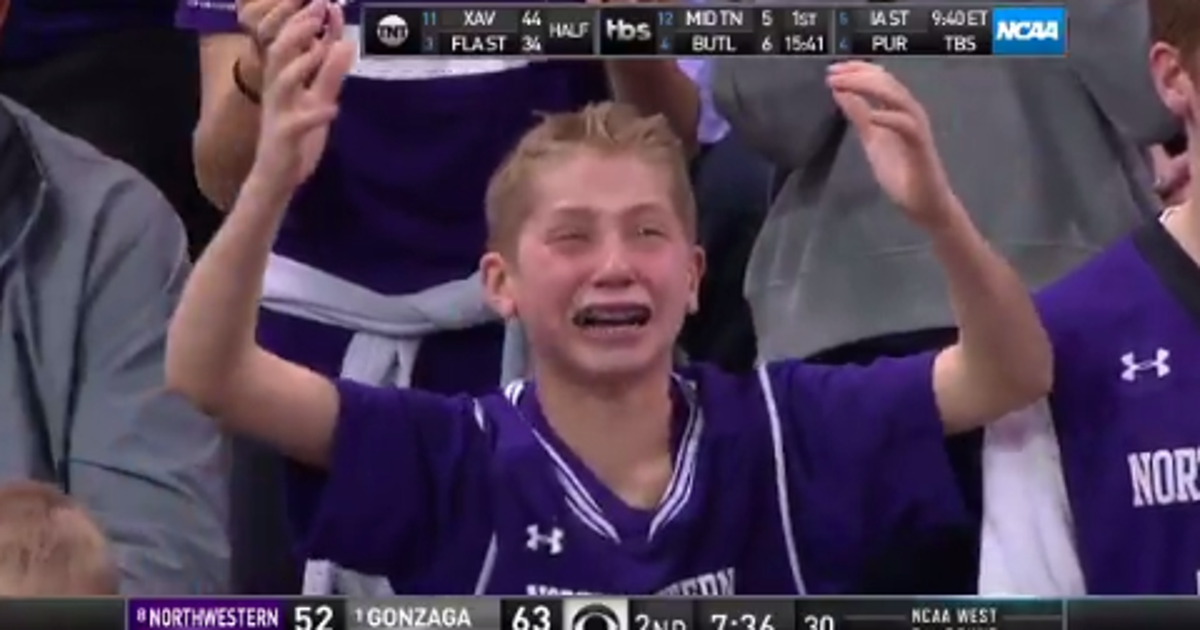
(1049, 154)
(1042, 151)
(91, 262)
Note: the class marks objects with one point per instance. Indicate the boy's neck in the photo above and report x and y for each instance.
(609, 427)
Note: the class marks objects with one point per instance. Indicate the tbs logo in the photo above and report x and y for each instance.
(1040, 31)
(620, 30)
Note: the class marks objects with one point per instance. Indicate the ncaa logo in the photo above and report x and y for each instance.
(392, 30)
(1029, 31)
(1025, 31)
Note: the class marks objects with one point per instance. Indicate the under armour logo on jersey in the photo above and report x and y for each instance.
(1135, 367)
(552, 542)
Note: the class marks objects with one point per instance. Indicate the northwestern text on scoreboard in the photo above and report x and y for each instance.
(694, 30)
(601, 613)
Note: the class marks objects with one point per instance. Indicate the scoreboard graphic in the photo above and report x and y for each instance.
(602, 613)
(707, 30)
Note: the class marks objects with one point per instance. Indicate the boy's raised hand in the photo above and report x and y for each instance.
(895, 135)
(262, 20)
(303, 73)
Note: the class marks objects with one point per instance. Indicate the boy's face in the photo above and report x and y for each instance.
(1175, 77)
(602, 271)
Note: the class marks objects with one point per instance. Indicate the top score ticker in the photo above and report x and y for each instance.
(579, 30)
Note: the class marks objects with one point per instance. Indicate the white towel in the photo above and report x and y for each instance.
(383, 350)
(1028, 545)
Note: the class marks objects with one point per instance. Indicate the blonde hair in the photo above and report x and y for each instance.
(605, 128)
(50, 546)
(1177, 23)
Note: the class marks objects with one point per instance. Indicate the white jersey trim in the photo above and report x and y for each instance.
(587, 509)
(679, 491)
(488, 567)
(579, 500)
(781, 479)
(489, 557)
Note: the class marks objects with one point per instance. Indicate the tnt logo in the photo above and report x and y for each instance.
(389, 31)
(392, 30)
(1030, 31)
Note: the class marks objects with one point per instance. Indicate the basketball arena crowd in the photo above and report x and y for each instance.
(278, 318)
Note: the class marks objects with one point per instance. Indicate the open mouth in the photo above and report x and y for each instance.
(612, 317)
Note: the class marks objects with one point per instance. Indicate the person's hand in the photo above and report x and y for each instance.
(896, 137)
(1172, 174)
(303, 69)
(261, 21)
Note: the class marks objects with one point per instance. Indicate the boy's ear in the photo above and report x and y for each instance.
(696, 275)
(497, 284)
(1171, 79)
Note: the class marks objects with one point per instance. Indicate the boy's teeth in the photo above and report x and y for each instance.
(612, 317)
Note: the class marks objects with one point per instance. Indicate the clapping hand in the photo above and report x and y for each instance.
(896, 137)
(263, 20)
(303, 73)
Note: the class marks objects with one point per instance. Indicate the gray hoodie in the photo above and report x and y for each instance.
(92, 260)
(1045, 153)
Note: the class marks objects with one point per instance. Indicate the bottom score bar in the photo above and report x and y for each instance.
(610, 613)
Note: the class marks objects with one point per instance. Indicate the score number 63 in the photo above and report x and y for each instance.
(531, 618)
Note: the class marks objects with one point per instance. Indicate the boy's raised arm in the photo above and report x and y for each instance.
(1003, 359)
(212, 355)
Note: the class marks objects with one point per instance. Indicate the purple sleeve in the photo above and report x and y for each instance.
(407, 481)
(866, 456)
(712, 127)
(1086, 381)
(207, 17)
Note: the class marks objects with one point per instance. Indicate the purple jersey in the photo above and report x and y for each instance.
(788, 480)
(1126, 330)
